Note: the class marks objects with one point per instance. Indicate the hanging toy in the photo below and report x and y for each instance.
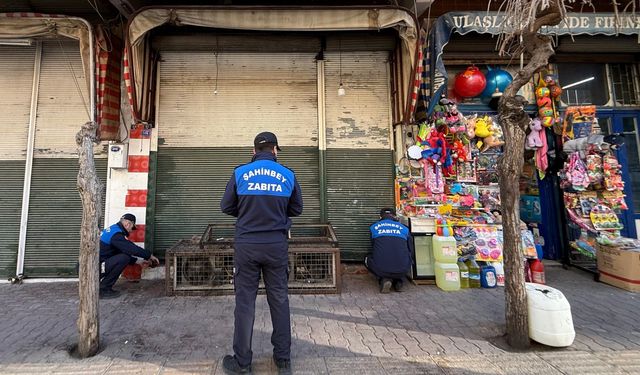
(545, 104)
(470, 83)
(534, 139)
(443, 229)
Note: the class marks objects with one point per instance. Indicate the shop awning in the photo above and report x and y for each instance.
(493, 23)
(32, 25)
(266, 19)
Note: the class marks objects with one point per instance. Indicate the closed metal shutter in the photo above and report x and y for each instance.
(55, 217)
(204, 136)
(55, 208)
(16, 79)
(359, 158)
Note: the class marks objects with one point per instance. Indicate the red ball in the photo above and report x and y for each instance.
(470, 83)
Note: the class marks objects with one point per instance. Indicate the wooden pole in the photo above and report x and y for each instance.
(90, 189)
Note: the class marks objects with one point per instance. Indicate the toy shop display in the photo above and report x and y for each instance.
(449, 174)
(592, 184)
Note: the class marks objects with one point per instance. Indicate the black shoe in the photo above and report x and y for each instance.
(385, 286)
(231, 366)
(109, 293)
(283, 365)
(398, 285)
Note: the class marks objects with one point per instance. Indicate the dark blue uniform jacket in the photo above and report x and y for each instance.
(262, 195)
(113, 242)
(392, 248)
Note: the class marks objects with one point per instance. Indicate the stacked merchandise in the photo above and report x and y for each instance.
(592, 184)
(450, 174)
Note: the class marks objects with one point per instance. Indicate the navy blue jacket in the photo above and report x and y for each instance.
(262, 195)
(392, 248)
(113, 241)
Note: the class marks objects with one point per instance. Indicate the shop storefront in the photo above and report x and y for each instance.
(599, 69)
(45, 102)
(327, 86)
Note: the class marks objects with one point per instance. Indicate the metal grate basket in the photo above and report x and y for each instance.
(204, 266)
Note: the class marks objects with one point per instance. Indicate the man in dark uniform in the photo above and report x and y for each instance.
(262, 195)
(392, 251)
(116, 251)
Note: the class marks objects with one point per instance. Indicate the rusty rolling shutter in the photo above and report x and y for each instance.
(55, 209)
(203, 136)
(359, 156)
(16, 79)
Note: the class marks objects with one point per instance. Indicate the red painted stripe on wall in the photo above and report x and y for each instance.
(136, 198)
(139, 163)
(138, 234)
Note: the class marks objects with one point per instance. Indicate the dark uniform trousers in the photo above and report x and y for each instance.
(272, 260)
(113, 267)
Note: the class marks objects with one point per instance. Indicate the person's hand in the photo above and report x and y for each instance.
(154, 262)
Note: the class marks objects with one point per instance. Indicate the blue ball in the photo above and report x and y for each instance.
(496, 78)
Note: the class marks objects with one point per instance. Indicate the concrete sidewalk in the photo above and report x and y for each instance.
(421, 330)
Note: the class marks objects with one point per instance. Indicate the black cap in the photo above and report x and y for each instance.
(131, 218)
(387, 212)
(266, 137)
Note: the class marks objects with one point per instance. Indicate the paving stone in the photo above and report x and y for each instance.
(571, 362)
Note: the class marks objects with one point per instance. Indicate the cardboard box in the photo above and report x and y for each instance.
(619, 267)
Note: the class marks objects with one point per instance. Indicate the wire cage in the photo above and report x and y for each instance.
(204, 266)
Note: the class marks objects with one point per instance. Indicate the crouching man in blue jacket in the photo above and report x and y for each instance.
(392, 251)
(116, 251)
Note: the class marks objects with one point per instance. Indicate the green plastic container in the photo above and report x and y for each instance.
(464, 274)
(474, 273)
(445, 249)
(447, 276)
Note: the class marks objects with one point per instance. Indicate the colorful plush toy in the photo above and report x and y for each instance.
(534, 139)
(459, 151)
(486, 130)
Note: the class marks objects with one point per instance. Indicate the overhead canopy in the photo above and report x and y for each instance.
(33, 25)
(272, 19)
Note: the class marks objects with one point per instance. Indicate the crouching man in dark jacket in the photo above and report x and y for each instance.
(392, 251)
(116, 252)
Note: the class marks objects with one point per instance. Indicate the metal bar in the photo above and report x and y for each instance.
(26, 189)
(322, 140)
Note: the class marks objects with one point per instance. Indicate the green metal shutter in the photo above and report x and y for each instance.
(55, 217)
(359, 183)
(12, 172)
(192, 180)
(55, 208)
(359, 160)
(16, 78)
(203, 135)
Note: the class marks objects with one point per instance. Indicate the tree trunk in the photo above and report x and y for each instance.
(90, 189)
(514, 121)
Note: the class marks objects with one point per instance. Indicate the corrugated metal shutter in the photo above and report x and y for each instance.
(55, 217)
(16, 79)
(256, 92)
(63, 102)
(359, 157)
(203, 136)
(191, 182)
(55, 209)
(12, 172)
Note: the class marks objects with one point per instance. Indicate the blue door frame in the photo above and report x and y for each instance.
(617, 120)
